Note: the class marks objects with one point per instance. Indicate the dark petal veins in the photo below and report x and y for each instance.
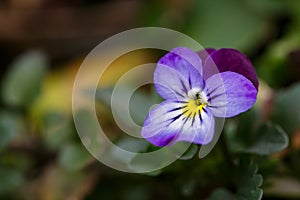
(190, 83)
(174, 109)
(179, 94)
(200, 117)
(213, 90)
(184, 87)
(180, 101)
(177, 117)
(217, 106)
(163, 128)
(201, 132)
(240, 94)
(215, 96)
(176, 71)
(193, 119)
(187, 118)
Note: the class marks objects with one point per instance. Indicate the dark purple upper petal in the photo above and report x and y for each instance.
(229, 60)
(203, 54)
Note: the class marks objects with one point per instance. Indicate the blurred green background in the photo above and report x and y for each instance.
(42, 44)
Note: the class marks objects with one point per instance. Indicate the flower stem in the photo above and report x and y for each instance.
(225, 150)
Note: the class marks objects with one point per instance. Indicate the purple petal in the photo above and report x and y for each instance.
(166, 125)
(203, 54)
(199, 131)
(189, 55)
(230, 94)
(229, 60)
(176, 74)
(162, 124)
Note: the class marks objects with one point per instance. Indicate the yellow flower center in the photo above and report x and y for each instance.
(194, 106)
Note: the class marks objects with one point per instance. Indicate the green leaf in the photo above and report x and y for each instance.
(274, 67)
(22, 83)
(87, 127)
(221, 194)
(267, 7)
(10, 126)
(248, 182)
(56, 129)
(74, 157)
(221, 24)
(240, 131)
(286, 109)
(270, 139)
(133, 144)
(139, 103)
(250, 135)
(103, 95)
(125, 150)
(294, 9)
(11, 179)
(188, 154)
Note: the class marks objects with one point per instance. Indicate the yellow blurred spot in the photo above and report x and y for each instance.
(56, 90)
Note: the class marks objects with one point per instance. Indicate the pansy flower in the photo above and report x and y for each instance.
(197, 87)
